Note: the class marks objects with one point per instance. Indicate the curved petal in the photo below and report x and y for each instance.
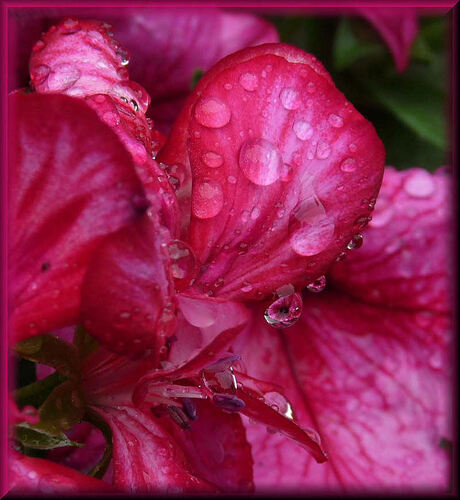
(217, 447)
(282, 168)
(128, 301)
(41, 477)
(373, 382)
(146, 459)
(405, 260)
(69, 186)
(397, 26)
(82, 59)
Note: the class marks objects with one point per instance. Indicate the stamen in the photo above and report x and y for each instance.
(179, 417)
(228, 402)
(189, 408)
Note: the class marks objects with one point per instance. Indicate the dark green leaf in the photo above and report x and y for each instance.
(84, 342)
(196, 77)
(100, 469)
(35, 394)
(33, 437)
(51, 351)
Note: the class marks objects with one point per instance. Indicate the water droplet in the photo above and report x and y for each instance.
(228, 86)
(39, 74)
(279, 403)
(255, 213)
(125, 315)
(361, 222)
(231, 179)
(353, 147)
(249, 81)
(335, 120)
(183, 262)
(303, 130)
(211, 112)
(348, 165)
(419, 184)
(355, 242)
(316, 228)
(317, 285)
(341, 256)
(260, 161)
(290, 98)
(207, 199)
(382, 217)
(213, 160)
(323, 150)
(284, 311)
(246, 288)
(63, 77)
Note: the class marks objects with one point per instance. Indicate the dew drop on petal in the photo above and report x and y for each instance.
(287, 172)
(211, 112)
(249, 81)
(63, 77)
(312, 238)
(284, 311)
(318, 285)
(212, 159)
(290, 98)
(231, 179)
(335, 120)
(419, 184)
(323, 150)
(183, 262)
(260, 161)
(355, 242)
(207, 199)
(303, 130)
(348, 165)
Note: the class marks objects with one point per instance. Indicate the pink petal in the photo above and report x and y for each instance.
(82, 59)
(373, 381)
(280, 162)
(146, 458)
(216, 445)
(405, 259)
(37, 476)
(128, 300)
(69, 187)
(397, 26)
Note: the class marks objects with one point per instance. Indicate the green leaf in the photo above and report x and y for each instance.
(32, 437)
(100, 469)
(51, 351)
(196, 77)
(35, 394)
(418, 105)
(348, 48)
(84, 342)
(63, 408)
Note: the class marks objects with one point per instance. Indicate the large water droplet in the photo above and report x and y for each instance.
(63, 77)
(316, 228)
(303, 130)
(279, 403)
(419, 184)
(183, 263)
(249, 81)
(317, 285)
(284, 311)
(213, 160)
(211, 112)
(207, 199)
(260, 161)
(290, 98)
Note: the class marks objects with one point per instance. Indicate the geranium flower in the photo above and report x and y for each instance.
(150, 286)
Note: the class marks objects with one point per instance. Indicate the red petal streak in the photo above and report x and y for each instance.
(280, 163)
(372, 381)
(405, 259)
(128, 300)
(146, 458)
(217, 447)
(37, 476)
(70, 185)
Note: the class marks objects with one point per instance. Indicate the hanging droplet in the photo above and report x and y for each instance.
(284, 311)
(317, 285)
(355, 242)
(183, 263)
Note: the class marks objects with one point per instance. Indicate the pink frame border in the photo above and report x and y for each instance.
(272, 7)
